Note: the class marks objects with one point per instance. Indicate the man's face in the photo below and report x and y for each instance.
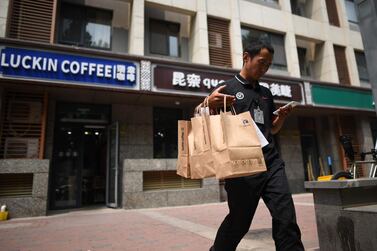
(259, 64)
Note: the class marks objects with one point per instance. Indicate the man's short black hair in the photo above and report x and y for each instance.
(255, 47)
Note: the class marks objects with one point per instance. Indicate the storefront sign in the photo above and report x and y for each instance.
(197, 81)
(26, 63)
(341, 97)
(191, 80)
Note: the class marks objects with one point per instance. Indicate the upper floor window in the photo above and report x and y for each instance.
(85, 26)
(164, 38)
(362, 66)
(332, 12)
(277, 40)
(270, 3)
(302, 8)
(305, 66)
(351, 11)
(341, 65)
(310, 58)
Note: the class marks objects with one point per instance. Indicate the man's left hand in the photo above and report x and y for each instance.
(279, 119)
(284, 112)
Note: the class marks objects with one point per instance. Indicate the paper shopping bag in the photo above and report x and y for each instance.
(183, 165)
(201, 159)
(236, 148)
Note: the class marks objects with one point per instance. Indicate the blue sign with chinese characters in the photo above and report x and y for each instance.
(35, 64)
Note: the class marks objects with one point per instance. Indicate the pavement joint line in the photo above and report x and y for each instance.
(15, 225)
(220, 203)
(304, 204)
(82, 212)
(106, 210)
(204, 231)
(299, 195)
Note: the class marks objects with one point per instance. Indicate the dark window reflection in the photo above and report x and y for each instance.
(165, 126)
(85, 26)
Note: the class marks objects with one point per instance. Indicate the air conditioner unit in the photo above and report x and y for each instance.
(24, 111)
(21, 148)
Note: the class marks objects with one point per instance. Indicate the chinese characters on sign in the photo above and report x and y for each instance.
(189, 80)
(278, 90)
(193, 80)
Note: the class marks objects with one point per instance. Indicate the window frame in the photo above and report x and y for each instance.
(307, 73)
(271, 35)
(347, 12)
(84, 10)
(167, 35)
(359, 54)
(269, 3)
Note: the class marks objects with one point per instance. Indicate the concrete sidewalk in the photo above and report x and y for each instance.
(186, 228)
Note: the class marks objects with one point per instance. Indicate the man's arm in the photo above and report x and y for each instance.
(278, 122)
(216, 99)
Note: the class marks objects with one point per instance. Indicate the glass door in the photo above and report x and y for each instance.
(93, 174)
(79, 162)
(67, 162)
(112, 165)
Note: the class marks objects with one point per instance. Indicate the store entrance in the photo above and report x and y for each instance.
(80, 156)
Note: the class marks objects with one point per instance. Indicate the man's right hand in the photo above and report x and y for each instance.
(216, 99)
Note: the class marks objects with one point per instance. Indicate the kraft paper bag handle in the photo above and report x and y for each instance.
(233, 111)
(204, 104)
(197, 109)
(204, 126)
(205, 129)
(205, 133)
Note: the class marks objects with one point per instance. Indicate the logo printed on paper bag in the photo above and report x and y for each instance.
(245, 122)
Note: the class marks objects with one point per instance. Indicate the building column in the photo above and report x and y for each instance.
(365, 137)
(319, 11)
(235, 34)
(136, 37)
(325, 65)
(4, 4)
(199, 49)
(352, 66)
(364, 133)
(293, 65)
(336, 148)
(342, 14)
(291, 153)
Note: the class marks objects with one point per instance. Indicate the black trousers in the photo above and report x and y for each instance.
(243, 197)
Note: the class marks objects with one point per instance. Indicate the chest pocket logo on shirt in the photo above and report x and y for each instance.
(240, 95)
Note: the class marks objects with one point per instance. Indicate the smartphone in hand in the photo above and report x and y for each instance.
(292, 104)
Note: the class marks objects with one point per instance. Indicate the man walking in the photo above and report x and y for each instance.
(245, 93)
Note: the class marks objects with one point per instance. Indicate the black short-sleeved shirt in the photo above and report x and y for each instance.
(249, 98)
